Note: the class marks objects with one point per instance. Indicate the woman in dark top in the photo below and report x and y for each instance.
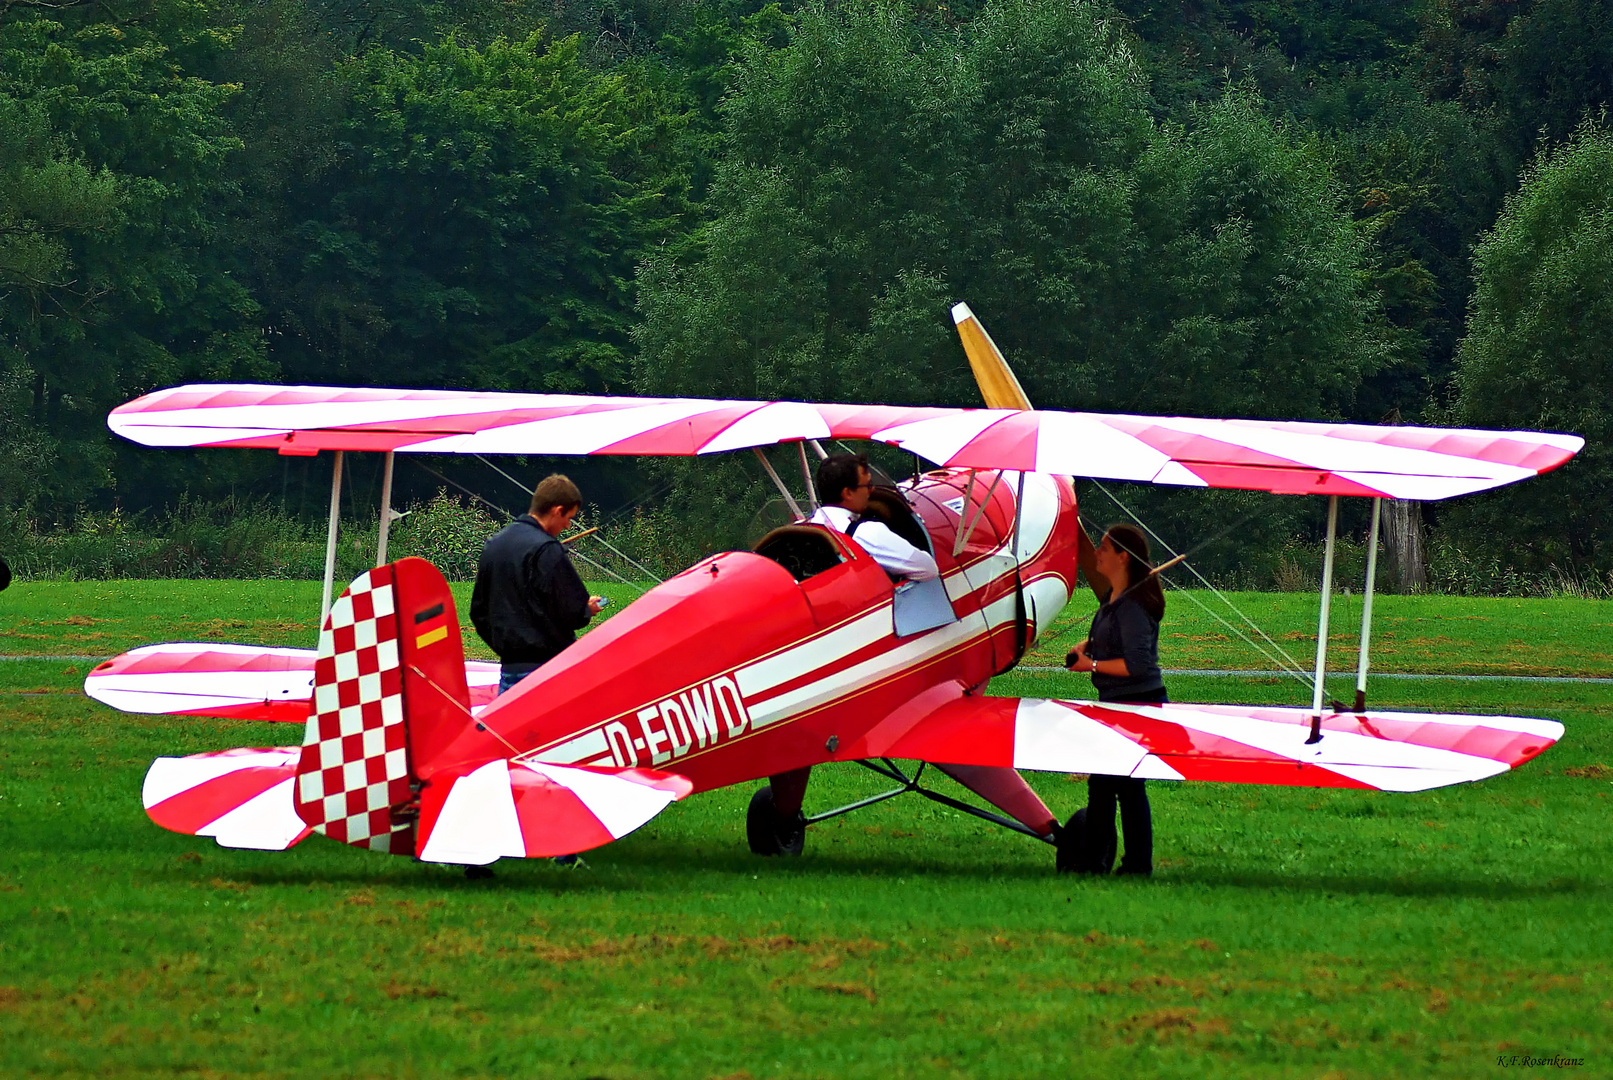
(1122, 654)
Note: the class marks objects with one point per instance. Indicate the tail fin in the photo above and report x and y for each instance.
(391, 638)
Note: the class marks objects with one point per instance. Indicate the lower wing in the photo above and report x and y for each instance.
(1242, 744)
(243, 682)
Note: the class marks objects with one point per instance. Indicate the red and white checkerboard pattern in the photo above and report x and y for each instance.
(354, 768)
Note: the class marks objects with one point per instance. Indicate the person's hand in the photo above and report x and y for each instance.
(595, 604)
(1077, 660)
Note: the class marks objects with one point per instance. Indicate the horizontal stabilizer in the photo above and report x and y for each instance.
(241, 682)
(241, 798)
(1241, 744)
(529, 810)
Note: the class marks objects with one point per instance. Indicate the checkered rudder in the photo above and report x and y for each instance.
(354, 769)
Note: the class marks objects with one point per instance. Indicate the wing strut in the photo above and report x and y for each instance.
(1366, 609)
(789, 500)
(971, 522)
(386, 511)
(1022, 632)
(806, 478)
(330, 537)
(888, 768)
(1319, 690)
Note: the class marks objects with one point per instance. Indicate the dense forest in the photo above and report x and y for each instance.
(1380, 211)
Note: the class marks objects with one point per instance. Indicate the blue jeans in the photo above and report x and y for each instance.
(1136, 819)
(510, 674)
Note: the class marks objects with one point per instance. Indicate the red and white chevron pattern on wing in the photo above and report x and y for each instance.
(241, 798)
(242, 682)
(1288, 457)
(1228, 743)
(504, 809)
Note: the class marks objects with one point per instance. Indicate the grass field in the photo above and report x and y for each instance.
(1287, 932)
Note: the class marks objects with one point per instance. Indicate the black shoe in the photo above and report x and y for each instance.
(1076, 853)
(1073, 852)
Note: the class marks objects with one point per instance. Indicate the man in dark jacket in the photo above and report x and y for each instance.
(529, 603)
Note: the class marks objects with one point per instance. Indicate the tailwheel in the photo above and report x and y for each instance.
(770, 832)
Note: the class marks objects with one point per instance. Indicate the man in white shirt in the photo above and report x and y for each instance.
(844, 482)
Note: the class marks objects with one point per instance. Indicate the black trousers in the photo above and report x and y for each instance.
(1136, 820)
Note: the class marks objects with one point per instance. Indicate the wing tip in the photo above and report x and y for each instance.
(961, 313)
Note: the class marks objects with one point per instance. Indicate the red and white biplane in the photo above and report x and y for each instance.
(763, 663)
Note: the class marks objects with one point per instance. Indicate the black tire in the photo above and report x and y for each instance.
(5, 575)
(1074, 852)
(770, 832)
(478, 873)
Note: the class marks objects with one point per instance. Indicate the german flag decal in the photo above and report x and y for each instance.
(430, 626)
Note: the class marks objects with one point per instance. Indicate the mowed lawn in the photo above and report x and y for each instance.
(1286, 933)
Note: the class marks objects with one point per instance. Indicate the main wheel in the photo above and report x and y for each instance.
(770, 832)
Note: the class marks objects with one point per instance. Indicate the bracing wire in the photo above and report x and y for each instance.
(1265, 653)
(607, 545)
(505, 513)
(1292, 666)
(636, 565)
(485, 502)
(1304, 677)
(502, 473)
(601, 566)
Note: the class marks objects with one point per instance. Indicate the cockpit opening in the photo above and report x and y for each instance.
(801, 549)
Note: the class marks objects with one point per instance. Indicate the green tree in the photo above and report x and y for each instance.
(134, 295)
(481, 224)
(875, 170)
(1538, 68)
(47, 199)
(881, 167)
(1536, 353)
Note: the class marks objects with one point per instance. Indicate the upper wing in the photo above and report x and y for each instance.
(1287, 457)
(1242, 744)
(243, 682)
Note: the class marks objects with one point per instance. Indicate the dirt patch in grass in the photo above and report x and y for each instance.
(824, 954)
(848, 989)
(396, 989)
(1164, 1025)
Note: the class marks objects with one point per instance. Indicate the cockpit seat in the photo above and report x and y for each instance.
(803, 550)
(888, 505)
